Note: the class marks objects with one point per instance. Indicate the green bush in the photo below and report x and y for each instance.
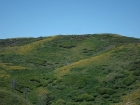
(3, 84)
(108, 91)
(129, 80)
(86, 103)
(61, 87)
(136, 72)
(115, 100)
(7, 98)
(60, 102)
(112, 76)
(35, 80)
(135, 65)
(72, 103)
(85, 97)
(106, 96)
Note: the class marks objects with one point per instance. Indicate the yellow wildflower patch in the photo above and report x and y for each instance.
(29, 47)
(3, 74)
(41, 91)
(139, 44)
(86, 62)
(131, 99)
(8, 66)
(118, 48)
(8, 50)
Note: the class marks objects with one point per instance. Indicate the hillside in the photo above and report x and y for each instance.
(92, 69)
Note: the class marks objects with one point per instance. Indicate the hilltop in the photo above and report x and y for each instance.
(91, 69)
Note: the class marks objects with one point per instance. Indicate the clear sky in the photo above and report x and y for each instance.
(35, 18)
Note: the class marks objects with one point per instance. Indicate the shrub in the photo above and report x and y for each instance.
(72, 103)
(61, 87)
(106, 96)
(136, 73)
(85, 97)
(112, 76)
(107, 70)
(59, 81)
(60, 102)
(129, 80)
(3, 84)
(108, 91)
(35, 80)
(86, 103)
(115, 100)
(39, 85)
(135, 65)
(50, 81)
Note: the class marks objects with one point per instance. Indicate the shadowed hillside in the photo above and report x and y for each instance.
(92, 69)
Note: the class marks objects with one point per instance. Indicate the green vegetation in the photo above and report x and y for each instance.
(92, 69)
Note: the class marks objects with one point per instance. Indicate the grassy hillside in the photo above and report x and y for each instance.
(92, 69)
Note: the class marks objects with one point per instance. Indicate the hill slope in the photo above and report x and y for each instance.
(98, 69)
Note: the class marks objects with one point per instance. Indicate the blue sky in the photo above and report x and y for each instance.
(35, 18)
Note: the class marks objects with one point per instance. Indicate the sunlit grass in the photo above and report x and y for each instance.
(131, 99)
(8, 50)
(26, 49)
(8, 66)
(41, 91)
(3, 74)
(86, 62)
